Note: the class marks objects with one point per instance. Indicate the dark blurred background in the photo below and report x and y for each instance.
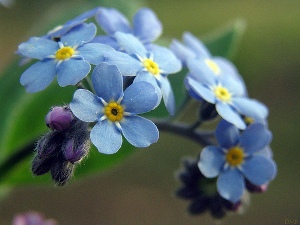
(140, 191)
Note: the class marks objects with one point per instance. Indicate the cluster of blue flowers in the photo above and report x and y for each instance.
(129, 76)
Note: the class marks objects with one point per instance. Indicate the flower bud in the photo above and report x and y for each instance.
(59, 118)
(41, 166)
(207, 111)
(49, 144)
(74, 152)
(61, 172)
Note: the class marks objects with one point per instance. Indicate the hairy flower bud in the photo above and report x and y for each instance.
(62, 171)
(59, 118)
(74, 151)
(58, 150)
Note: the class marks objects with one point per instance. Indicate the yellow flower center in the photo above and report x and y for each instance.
(151, 66)
(114, 111)
(222, 94)
(213, 66)
(248, 120)
(235, 156)
(64, 53)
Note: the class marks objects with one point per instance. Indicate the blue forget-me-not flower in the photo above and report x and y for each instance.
(227, 95)
(115, 111)
(235, 159)
(151, 66)
(193, 48)
(69, 59)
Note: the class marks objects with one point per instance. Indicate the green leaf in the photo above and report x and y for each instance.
(224, 41)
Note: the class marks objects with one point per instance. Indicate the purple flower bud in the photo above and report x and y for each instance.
(59, 118)
(74, 153)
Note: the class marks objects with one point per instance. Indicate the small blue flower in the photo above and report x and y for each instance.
(227, 95)
(116, 111)
(69, 59)
(146, 26)
(151, 66)
(236, 159)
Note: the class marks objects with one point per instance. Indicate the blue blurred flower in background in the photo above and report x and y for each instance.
(145, 26)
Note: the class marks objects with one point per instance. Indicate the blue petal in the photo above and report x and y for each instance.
(107, 82)
(139, 97)
(203, 91)
(130, 44)
(200, 71)
(230, 114)
(231, 185)
(39, 75)
(127, 65)
(266, 152)
(146, 25)
(82, 17)
(72, 23)
(107, 40)
(139, 131)
(166, 60)
(227, 134)
(38, 48)
(168, 95)
(211, 161)
(71, 71)
(79, 34)
(147, 77)
(255, 138)
(181, 51)
(86, 106)
(191, 92)
(259, 170)
(251, 108)
(112, 20)
(106, 137)
(94, 52)
(195, 44)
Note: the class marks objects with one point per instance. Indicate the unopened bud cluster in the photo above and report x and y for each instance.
(59, 150)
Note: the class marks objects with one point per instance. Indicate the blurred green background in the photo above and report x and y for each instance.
(140, 191)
